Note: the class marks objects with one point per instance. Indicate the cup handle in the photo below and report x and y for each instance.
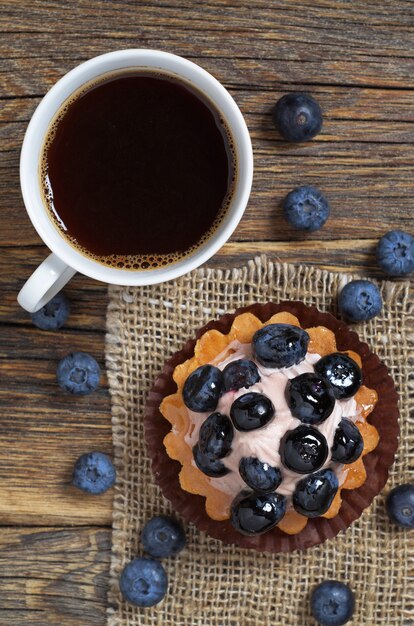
(45, 282)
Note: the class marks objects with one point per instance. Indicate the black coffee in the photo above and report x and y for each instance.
(138, 170)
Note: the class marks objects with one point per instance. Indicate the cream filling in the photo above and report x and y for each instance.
(264, 443)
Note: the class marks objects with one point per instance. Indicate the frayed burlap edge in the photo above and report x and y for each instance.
(212, 584)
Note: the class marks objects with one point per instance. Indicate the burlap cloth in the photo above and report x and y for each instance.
(211, 584)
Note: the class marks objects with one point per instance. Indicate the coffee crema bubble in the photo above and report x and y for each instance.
(138, 170)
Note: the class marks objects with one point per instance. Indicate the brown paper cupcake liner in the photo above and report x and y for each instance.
(377, 463)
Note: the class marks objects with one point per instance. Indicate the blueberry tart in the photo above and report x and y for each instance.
(269, 421)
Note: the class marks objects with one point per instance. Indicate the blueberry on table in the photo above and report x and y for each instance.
(400, 505)
(78, 373)
(360, 300)
(216, 436)
(251, 410)
(304, 449)
(332, 603)
(280, 345)
(53, 315)
(395, 253)
(313, 494)
(258, 475)
(306, 208)
(143, 582)
(343, 374)
(348, 443)
(163, 536)
(297, 117)
(254, 514)
(240, 374)
(94, 473)
(310, 398)
(210, 466)
(203, 388)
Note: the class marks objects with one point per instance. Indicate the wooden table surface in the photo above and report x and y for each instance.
(355, 57)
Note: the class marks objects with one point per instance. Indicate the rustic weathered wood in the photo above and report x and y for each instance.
(39, 443)
(56, 576)
(357, 58)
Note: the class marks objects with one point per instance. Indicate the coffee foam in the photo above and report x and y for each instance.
(142, 261)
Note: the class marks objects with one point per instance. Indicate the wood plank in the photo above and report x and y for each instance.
(54, 576)
(330, 255)
(293, 44)
(33, 344)
(244, 72)
(282, 26)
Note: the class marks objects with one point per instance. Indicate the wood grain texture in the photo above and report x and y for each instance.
(56, 576)
(356, 58)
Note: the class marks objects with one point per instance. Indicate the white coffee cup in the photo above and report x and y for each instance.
(65, 260)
